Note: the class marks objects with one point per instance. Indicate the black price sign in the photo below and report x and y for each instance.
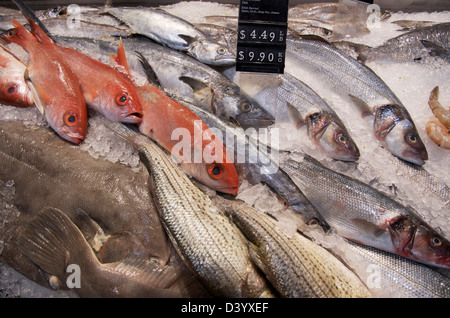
(261, 44)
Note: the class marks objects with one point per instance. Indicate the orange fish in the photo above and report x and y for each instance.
(14, 91)
(54, 87)
(162, 115)
(105, 89)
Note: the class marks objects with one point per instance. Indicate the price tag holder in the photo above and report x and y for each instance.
(261, 45)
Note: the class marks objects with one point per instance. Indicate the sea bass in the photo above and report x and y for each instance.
(392, 276)
(360, 213)
(211, 246)
(421, 45)
(55, 88)
(393, 126)
(165, 120)
(296, 266)
(55, 244)
(174, 32)
(297, 100)
(14, 90)
(256, 163)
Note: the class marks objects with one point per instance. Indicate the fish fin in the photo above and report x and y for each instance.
(52, 241)
(19, 35)
(195, 84)
(368, 227)
(295, 115)
(362, 105)
(38, 33)
(29, 14)
(149, 72)
(313, 37)
(121, 57)
(35, 96)
(433, 48)
(434, 95)
(188, 39)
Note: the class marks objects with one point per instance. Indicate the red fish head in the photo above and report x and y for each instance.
(122, 103)
(15, 93)
(415, 240)
(222, 177)
(70, 125)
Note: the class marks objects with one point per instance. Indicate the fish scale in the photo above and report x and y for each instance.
(363, 214)
(210, 244)
(295, 265)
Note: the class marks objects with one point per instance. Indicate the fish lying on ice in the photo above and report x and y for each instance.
(291, 98)
(256, 163)
(55, 244)
(438, 128)
(209, 243)
(420, 45)
(173, 32)
(296, 266)
(55, 88)
(393, 126)
(47, 171)
(202, 155)
(360, 213)
(14, 90)
(182, 78)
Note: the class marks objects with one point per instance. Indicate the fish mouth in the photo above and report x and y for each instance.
(261, 122)
(133, 118)
(415, 156)
(229, 190)
(74, 138)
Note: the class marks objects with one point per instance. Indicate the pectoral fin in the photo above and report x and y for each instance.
(37, 101)
(362, 105)
(368, 228)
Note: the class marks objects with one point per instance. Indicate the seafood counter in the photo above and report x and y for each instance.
(136, 162)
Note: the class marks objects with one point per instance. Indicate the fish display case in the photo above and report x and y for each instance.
(139, 160)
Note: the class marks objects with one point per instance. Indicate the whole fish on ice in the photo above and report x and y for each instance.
(203, 155)
(175, 33)
(206, 240)
(55, 88)
(14, 90)
(360, 213)
(295, 265)
(393, 126)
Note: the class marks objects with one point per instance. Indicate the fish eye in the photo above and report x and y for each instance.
(436, 241)
(246, 107)
(342, 138)
(121, 99)
(313, 222)
(221, 50)
(215, 171)
(413, 138)
(70, 119)
(11, 89)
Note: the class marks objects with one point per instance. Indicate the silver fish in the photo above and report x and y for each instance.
(173, 32)
(391, 276)
(256, 162)
(420, 45)
(204, 237)
(360, 213)
(306, 107)
(296, 266)
(393, 126)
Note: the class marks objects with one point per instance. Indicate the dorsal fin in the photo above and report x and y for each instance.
(28, 13)
(38, 33)
(121, 57)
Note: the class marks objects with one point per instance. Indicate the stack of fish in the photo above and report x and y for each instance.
(146, 73)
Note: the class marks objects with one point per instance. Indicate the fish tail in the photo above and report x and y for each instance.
(19, 35)
(53, 242)
(39, 33)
